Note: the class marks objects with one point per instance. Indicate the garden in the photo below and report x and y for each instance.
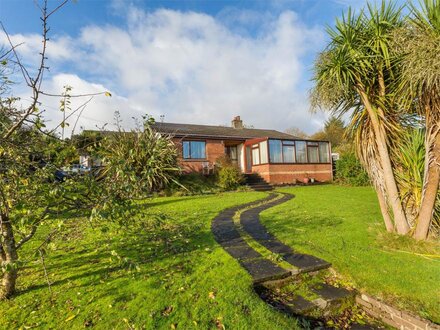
(130, 245)
(167, 271)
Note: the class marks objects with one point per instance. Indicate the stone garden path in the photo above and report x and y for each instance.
(270, 275)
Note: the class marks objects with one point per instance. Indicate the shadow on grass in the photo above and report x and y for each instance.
(148, 203)
(169, 252)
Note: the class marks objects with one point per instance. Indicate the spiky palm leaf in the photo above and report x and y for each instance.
(410, 158)
(354, 75)
(418, 43)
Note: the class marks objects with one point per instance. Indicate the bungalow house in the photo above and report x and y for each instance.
(277, 157)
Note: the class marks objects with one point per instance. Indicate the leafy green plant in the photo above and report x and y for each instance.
(192, 184)
(410, 160)
(138, 161)
(33, 190)
(354, 76)
(229, 175)
(349, 171)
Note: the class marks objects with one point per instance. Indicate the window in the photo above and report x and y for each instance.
(282, 151)
(275, 151)
(301, 154)
(263, 152)
(194, 149)
(232, 152)
(256, 156)
(312, 152)
(323, 152)
(288, 153)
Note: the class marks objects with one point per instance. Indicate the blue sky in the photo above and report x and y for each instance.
(191, 61)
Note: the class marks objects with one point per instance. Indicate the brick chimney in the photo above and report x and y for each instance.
(237, 122)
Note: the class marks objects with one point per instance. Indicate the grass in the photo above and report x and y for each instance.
(343, 225)
(163, 271)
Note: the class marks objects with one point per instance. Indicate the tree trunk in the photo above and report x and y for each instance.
(391, 187)
(431, 183)
(385, 212)
(9, 258)
(388, 173)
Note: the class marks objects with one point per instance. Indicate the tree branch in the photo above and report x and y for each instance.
(57, 8)
(33, 83)
(33, 230)
(24, 72)
(72, 96)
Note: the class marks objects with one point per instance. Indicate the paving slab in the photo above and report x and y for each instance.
(305, 263)
(242, 252)
(222, 226)
(222, 218)
(250, 222)
(330, 292)
(233, 242)
(276, 246)
(226, 236)
(263, 270)
(299, 305)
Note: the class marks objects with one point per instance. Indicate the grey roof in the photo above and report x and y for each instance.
(190, 130)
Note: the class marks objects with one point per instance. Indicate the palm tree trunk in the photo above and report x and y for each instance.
(9, 258)
(384, 208)
(431, 185)
(388, 173)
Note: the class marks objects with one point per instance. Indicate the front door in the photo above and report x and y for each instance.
(248, 159)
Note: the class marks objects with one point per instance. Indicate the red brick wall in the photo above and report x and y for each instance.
(262, 170)
(288, 173)
(272, 173)
(214, 149)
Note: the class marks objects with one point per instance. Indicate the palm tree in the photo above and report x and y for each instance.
(419, 44)
(354, 75)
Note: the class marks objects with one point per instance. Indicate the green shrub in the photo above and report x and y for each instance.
(192, 184)
(139, 161)
(229, 176)
(349, 171)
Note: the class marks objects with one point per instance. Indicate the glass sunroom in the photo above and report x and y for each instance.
(280, 151)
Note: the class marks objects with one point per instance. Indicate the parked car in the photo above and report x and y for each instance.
(61, 175)
(77, 169)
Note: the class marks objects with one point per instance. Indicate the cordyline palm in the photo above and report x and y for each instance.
(361, 132)
(419, 45)
(409, 157)
(353, 76)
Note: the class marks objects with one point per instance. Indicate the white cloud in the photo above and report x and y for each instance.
(30, 45)
(191, 68)
(99, 112)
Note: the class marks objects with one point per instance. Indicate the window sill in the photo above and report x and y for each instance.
(195, 160)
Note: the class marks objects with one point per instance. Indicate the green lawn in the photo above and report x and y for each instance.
(343, 225)
(165, 272)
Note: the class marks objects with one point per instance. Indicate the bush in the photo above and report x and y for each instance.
(349, 171)
(192, 184)
(139, 161)
(229, 175)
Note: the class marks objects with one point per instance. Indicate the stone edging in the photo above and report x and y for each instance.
(392, 316)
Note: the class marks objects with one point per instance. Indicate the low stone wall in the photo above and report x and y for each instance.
(392, 316)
